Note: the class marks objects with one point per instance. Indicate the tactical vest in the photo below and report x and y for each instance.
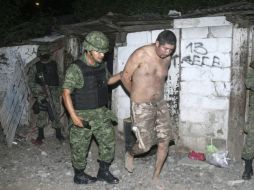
(49, 71)
(94, 93)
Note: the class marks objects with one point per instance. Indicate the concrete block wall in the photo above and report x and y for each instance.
(206, 45)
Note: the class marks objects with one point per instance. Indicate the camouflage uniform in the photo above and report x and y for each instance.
(248, 149)
(100, 121)
(86, 85)
(39, 94)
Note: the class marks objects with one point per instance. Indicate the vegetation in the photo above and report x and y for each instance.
(24, 19)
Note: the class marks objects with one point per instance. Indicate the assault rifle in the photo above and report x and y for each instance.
(48, 103)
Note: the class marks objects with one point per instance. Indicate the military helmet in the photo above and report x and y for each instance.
(43, 50)
(96, 41)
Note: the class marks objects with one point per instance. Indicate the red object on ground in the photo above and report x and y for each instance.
(36, 142)
(196, 156)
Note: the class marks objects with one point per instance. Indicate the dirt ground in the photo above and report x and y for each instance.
(25, 166)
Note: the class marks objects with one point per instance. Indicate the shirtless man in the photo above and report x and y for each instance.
(144, 77)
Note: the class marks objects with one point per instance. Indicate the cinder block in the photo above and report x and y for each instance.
(224, 45)
(221, 75)
(214, 103)
(196, 33)
(123, 54)
(204, 88)
(194, 143)
(139, 38)
(201, 22)
(192, 114)
(192, 129)
(221, 31)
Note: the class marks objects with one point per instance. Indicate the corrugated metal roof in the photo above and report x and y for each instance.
(238, 12)
(116, 26)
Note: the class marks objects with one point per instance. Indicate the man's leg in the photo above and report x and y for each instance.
(162, 151)
(248, 155)
(164, 134)
(41, 123)
(105, 136)
(129, 162)
(148, 140)
(143, 116)
(59, 113)
(79, 140)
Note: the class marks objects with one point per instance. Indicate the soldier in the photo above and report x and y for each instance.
(43, 74)
(248, 149)
(85, 95)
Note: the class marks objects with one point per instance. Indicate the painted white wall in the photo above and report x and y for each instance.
(206, 45)
(9, 56)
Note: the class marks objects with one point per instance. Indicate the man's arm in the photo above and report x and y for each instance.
(115, 78)
(69, 106)
(73, 79)
(130, 67)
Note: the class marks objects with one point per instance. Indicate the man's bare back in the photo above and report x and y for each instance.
(146, 72)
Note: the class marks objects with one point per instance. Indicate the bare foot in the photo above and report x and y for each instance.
(157, 184)
(129, 162)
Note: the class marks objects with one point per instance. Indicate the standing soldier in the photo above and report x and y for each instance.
(248, 149)
(44, 86)
(85, 95)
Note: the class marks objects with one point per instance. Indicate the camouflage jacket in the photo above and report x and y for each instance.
(36, 89)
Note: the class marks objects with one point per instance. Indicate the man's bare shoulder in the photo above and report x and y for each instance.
(143, 50)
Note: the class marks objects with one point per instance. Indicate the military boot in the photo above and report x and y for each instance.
(59, 135)
(248, 170)
(105, 175)
(82, 178)
(40, 137)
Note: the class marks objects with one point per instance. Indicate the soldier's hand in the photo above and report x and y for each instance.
(78, 122)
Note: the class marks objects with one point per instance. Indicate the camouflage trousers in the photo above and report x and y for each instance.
(152, 122)
(248, 149)
(43, 116)
(101, 128)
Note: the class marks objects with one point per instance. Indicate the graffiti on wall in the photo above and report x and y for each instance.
(199, 55)
(3, 60)
(28, 53)
(171, 92)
